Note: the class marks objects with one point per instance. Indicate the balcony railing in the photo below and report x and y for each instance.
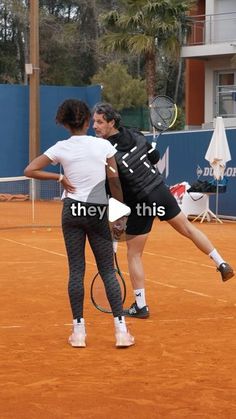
(226, 101)
(209, 29)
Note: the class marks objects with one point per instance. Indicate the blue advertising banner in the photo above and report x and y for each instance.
(182, 153)
(14, 121)
(182, 159)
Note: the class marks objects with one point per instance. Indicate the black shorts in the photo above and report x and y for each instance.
(159, 203)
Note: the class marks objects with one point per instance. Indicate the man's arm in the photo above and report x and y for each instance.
(154, 156)
(116, 192)
(113, 179)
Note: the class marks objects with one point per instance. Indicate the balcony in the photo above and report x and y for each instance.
(210, 35)
(212, 29)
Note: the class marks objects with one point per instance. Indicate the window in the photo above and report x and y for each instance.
(225, 94)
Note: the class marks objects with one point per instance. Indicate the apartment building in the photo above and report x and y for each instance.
(210, 53)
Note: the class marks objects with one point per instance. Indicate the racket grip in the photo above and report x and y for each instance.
(115, 246)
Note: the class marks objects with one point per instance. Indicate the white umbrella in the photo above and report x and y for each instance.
(218, 153)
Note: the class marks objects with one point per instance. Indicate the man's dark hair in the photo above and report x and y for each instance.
(74, 113)
(108, 112)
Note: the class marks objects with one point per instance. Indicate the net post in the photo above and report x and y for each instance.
(33, 199)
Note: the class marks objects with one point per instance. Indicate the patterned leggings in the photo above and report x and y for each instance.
(75, 230)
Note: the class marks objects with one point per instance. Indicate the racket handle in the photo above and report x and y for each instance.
(115, 246)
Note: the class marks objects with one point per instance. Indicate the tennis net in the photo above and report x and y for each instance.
(28, 202)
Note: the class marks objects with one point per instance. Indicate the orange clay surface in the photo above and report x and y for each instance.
(182, 366)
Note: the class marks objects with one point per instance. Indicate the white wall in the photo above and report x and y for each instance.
(220, 28)
(210, 7)
(225, 6)
(220, 6)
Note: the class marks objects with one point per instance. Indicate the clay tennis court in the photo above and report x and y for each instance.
(182, 366)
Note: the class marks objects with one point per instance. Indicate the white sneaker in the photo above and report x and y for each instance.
(77, 339)
(124, 339)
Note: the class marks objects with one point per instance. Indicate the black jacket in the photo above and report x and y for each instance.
(135, 158)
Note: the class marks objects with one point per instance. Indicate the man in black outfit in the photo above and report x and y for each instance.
(147, 195)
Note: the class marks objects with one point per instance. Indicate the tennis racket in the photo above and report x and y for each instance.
(163, 114)
(97, 289)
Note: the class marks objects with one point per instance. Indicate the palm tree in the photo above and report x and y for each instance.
(145, 26)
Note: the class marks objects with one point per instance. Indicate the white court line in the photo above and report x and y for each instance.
(166, 285)
(24, 262)
(197, 293)
(33, 247)
(11, 327)
(179, 260)
(173, 286)
(191, 262)
(127, 273)
(198, 319)
(147, 253)
(205, 295)
(41, 248)
(200, 294)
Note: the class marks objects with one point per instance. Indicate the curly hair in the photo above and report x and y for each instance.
(74, 113)
(108, 112)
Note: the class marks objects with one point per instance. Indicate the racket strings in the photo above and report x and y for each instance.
(162, 117)
(163, 113)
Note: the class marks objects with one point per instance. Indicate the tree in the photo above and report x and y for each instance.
(68, 32)
(13, 40)
(119, 88)
(70, 57)
(144, 26)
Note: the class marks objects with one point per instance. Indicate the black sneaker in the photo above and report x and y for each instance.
(134, 311)
(226, 271)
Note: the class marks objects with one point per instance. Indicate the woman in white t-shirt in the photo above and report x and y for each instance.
(86, 162)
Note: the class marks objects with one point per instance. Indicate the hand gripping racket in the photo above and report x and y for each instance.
(163, 114)
(97, 289)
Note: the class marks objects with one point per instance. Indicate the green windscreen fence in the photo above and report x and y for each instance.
(136, 118)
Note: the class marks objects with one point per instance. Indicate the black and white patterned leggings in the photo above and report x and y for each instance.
(75, 230)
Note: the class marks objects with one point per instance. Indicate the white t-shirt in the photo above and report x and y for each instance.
(83, 159)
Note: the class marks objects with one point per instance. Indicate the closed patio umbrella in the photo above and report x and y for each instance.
(218, 153)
